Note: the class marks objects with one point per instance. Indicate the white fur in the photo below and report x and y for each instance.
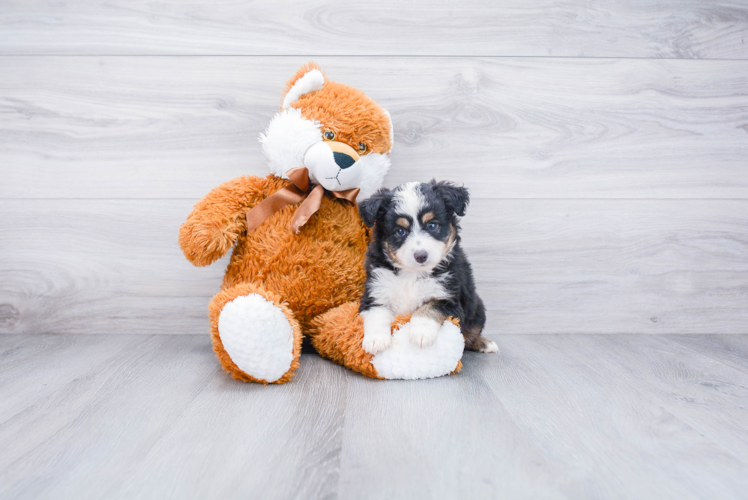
(374, 167)
(405, 292)
(257, 336)
(409, 199)
(287, 139)
(311, 81)
(377, 329)
(417, 241)
(323, 169)
(491, 347)
(405, 360)
(423, 331)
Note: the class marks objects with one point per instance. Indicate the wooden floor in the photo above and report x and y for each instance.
(553, 416)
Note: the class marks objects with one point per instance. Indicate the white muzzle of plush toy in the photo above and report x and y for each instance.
(334, 165)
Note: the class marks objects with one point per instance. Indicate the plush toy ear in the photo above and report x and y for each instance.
(371, 209)
(456, 197)
(308, 79)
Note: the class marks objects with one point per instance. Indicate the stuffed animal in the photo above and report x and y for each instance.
(298, 262)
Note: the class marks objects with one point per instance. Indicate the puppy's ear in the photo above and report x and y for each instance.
(456, 197)
(370, 210)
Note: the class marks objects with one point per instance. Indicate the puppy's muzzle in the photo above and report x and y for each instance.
(421, 256)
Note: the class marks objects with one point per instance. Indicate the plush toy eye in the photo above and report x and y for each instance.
(329, 135)
(432, 226)
(400, 231)
(362, 148)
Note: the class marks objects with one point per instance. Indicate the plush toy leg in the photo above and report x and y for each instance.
(255, 335)
(339, 333)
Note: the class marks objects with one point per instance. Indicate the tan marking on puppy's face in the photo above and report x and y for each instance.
(391, 254)
(403, 222)
(450, 241)
(427, 217)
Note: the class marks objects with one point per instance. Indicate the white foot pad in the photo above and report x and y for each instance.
(257, 336)
(405, 360)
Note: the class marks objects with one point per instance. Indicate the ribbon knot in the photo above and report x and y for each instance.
(300, 190)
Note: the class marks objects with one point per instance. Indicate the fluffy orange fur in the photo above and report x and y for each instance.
(338, 335)
(346, 111)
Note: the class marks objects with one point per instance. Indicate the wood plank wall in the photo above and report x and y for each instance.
(605, 145)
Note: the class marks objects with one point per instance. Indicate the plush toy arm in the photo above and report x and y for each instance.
(219, 218)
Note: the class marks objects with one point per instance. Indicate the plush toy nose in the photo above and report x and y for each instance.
(344, 155)
(421, 256)
(343, 160)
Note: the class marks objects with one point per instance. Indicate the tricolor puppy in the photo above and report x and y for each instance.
(415, 265)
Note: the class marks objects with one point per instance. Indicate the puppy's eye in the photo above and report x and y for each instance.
(400, 231)
(362, 148)
(432, 226)
(329, 135)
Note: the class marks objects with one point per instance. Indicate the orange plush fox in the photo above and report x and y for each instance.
(299, 243)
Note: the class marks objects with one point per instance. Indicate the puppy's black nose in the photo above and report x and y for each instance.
(420, 256)
(343, 160)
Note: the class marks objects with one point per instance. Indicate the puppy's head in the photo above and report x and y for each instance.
(416, 223)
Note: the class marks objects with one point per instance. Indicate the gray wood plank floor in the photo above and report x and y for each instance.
(553, 416)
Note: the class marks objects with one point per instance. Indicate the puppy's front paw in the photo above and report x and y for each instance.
(376, 340)
(423, 331)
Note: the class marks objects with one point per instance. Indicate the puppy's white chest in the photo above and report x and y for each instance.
(405, 292)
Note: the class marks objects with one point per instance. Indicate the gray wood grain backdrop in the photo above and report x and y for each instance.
(605, 145)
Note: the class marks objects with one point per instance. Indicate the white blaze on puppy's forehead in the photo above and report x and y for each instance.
(409, 200)
(311, 81)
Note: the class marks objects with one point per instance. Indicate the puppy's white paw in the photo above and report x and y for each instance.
(376, 341)
(489, 346)
(377, 329)
(423, 331)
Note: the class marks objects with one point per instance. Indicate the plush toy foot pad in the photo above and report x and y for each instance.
(339, 333)
(257, 336)
(405, 360)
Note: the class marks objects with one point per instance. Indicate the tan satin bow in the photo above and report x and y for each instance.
(292, 194)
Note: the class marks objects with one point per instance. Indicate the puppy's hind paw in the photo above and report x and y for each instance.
(488, 346)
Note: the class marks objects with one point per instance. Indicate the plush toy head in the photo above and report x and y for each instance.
(341, 136)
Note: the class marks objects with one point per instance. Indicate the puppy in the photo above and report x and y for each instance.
(415, 265)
